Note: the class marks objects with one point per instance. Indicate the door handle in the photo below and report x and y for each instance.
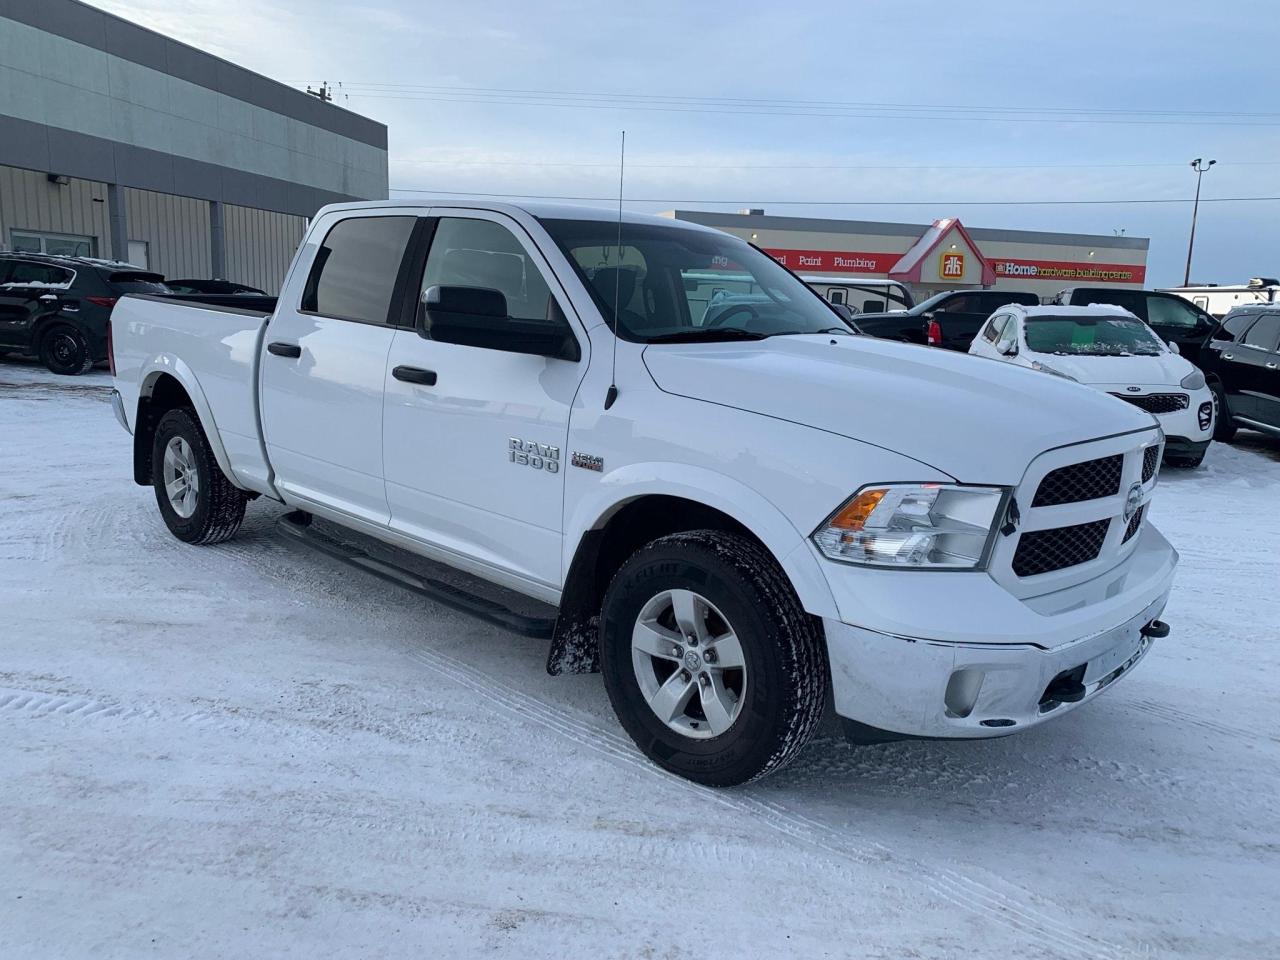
(1228, 356)
(1271, 366)
(284, 349)
(48, 296)
(415, 375)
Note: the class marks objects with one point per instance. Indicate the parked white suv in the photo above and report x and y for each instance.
(736, 519)
(1111, 350)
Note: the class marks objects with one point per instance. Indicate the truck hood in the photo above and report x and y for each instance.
(1163, 370)
(977, 420)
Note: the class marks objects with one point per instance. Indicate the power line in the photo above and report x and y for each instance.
(990, 118)
(824, 166)
(836, 203)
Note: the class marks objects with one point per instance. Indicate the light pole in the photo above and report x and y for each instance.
(1199, 166)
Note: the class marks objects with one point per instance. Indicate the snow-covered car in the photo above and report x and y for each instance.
(1111, 350)
(737, 522)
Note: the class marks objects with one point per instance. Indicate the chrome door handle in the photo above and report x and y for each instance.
(1271, 366)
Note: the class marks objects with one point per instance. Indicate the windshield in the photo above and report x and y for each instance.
(1095, 336)
(673, 284)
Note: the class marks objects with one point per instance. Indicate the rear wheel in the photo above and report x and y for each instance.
(710, 662)
(1224, 427)
(199, 504)
(65, 351)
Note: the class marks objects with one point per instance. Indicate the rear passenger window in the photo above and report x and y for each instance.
(354, 274)
(1264, 334)
(27, 274)
(992, 333)
(1232, 327)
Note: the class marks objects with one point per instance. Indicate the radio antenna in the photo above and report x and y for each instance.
(612, 393)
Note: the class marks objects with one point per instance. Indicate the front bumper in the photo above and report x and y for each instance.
(928, 686)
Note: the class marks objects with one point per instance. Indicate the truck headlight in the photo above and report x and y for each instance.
(1193, 380)
(938, 526)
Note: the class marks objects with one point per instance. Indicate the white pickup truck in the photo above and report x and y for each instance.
(741, 517)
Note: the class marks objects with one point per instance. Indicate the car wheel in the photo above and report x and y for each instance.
(710, 663)
(199, 504)
(64, 350)
(1224, 427)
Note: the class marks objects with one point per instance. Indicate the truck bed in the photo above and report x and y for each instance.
(158, 336)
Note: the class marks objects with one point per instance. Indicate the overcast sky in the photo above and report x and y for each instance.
(1027, 61)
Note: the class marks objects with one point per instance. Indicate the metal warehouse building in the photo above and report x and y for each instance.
(943, 255)
(118, 142)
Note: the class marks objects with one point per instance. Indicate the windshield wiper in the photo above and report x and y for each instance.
(706, 335)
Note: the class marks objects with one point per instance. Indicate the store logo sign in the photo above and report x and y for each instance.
(951, 266)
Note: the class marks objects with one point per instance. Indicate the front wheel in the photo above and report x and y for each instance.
(710, 663)
(199, 504)
(65, 351)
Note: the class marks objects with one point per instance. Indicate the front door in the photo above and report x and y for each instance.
(475, 457)
(28, 292)
(1259, 370)
(324, 362)
(1178, 321)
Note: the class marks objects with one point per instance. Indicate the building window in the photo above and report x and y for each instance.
(55, 244)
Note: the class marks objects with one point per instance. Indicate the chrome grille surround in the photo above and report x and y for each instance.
(1107, 514)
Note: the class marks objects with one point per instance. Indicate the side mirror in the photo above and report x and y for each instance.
(1007, 348)
(477, 317)
(1173, 347)
(846, 314)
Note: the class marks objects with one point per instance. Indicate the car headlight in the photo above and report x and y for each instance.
(938, 526)
(1193, 380)
(1045, 368)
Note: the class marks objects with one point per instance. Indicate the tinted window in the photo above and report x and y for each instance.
(138, 283)
(1133, 302)
(996, 299)
(1171, 312)
(27, 273)
(1265, 333)
(354, 274)
(964, 303)
(1232, 327)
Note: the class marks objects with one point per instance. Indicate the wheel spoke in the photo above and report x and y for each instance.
(656, 640)
(717, 704)
(189, 501)
(728, 650)
(670, 699)
(689, 614)
(174, 488)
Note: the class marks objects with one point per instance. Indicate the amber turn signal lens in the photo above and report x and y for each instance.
(855, 514)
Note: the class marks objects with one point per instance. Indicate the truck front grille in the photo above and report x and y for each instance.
(1043, 551)
(1081, 481)
(1135, 522)
(1157, 402)
(1150, 462)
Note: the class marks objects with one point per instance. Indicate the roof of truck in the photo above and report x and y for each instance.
(538, 209)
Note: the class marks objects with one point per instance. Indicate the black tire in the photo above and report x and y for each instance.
(1224, 427)
(219, 505)
(782, 646)
(65, 351)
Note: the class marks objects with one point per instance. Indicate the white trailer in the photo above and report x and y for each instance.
(1220, 299)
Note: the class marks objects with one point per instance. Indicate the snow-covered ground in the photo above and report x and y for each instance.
(250, 751)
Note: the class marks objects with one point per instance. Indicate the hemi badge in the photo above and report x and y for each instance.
(588, 462)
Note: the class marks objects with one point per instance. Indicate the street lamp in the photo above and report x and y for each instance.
(1199, 166)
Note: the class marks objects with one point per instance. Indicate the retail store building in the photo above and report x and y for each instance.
(944, 255)
(118, 142)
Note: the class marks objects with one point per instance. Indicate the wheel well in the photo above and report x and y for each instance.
(166, 393)
(602, 551)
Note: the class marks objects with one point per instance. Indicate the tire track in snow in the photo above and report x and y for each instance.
(1015, 912)
(1167, 712)
(31, 704)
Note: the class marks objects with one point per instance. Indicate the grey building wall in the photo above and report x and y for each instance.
(175, 229)
(260, 245)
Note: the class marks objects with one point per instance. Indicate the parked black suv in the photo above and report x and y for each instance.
(57, 308)
(1176, 320)
(950, 319)
(1241, 361)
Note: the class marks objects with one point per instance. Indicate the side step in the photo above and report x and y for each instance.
(297, 526)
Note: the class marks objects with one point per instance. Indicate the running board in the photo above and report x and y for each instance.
(297, 526)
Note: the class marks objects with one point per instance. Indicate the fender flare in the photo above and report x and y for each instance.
(722, 492)
(167, 364)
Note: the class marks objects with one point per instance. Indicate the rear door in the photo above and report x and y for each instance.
(1260, 370)
(29, 291)
(475, 437)
(324, 362)
(1225, 359)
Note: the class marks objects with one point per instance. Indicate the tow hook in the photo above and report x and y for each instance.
(1156, 630)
